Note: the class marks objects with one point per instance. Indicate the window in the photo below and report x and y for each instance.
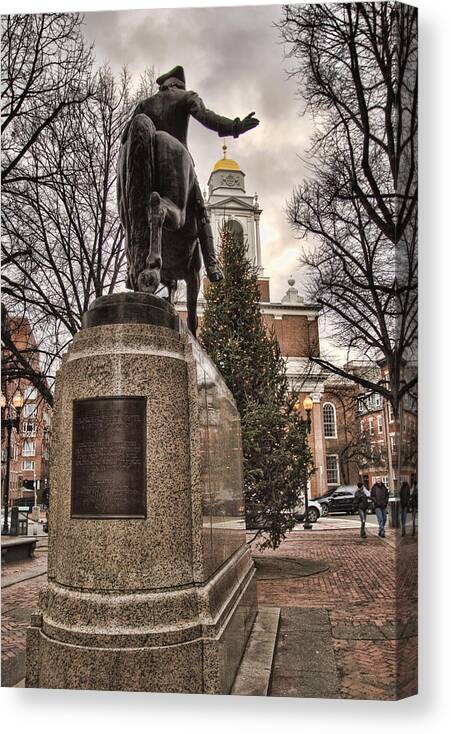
(30, 393)
(29, 410)
(235, 229)
(362, 427)
(371, 425)
(391, 415)
(332, 469)
(27, 465)
(28, 448)
(29, 428)
(377, 400)
(330, 424)
(379, 424)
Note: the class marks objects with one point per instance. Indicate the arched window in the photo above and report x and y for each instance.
(329, 421)
(235, 229)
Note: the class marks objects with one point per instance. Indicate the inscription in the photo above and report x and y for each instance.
(109, 457)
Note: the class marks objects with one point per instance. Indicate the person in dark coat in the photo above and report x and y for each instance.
(414, 505)
(361, 505)
(379, 495)
(404, 497)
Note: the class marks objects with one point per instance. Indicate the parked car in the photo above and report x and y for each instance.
(314, 511)
(323, 501)
(342, 500)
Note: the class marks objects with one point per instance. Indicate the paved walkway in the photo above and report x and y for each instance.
(348, 631)
(21, 583)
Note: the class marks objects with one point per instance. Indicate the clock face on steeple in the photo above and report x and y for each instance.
(230, 180)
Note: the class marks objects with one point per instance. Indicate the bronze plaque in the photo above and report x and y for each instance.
(109, 457)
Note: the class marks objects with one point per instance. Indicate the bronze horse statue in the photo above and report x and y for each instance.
(156, 199)
(161, 208)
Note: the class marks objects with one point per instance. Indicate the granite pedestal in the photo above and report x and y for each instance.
(150, 583)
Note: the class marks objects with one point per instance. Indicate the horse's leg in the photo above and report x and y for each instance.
(192, 292)
(171, 285)
(149, 278)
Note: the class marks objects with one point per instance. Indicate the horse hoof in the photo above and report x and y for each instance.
(149, 280)
(155, 200)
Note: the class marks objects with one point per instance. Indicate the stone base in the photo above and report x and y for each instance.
(161, 597)
(197, 649)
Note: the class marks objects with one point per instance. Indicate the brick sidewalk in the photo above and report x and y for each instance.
(348, 632)
(18, 604)
(369, 596)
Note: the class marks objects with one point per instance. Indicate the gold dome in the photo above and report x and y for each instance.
(226, 164)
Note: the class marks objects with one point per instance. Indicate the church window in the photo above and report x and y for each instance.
(332, 469)
(235, 228)
(329, 420)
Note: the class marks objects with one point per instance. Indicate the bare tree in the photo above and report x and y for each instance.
(45, 70)
(357, 70)
(62, 243)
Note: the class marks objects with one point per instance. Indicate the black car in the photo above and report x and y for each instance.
(323, 500)
(342, 500)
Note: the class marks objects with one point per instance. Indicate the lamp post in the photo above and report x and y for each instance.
(10, 421)
(308, 406)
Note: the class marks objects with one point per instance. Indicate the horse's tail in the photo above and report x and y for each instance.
(137, 163)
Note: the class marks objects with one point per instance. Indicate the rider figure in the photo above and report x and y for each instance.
(170, 109)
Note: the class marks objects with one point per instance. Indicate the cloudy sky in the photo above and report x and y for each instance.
(233, 58)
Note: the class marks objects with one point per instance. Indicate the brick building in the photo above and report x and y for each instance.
(393, 441)
(30, 445)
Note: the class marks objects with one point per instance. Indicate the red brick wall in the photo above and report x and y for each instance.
(263, 286)
(297, 335)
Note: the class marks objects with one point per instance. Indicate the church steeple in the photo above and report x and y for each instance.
(226, 175)
(228, 201)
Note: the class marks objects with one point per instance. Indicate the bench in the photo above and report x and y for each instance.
(16, 549)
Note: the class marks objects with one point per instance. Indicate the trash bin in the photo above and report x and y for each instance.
(393, 512)
(23, 524)
(14, 522)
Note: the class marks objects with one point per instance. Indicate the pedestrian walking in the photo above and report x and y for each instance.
(404, 497)
(414, 506)
(379, 495)
(361, 505)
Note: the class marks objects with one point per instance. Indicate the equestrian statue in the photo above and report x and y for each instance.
(161, 207)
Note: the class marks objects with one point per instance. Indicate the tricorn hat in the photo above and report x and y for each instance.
(176, 73)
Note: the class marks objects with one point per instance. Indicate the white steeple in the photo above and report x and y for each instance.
(228, 202)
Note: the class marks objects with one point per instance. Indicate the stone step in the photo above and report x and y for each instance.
(254, 674)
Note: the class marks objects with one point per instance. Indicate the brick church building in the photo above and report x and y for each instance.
(295, 323)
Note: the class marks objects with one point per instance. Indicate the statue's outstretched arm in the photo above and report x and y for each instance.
(224, 126)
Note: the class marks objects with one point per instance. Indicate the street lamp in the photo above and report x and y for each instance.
(308, 406)
(10, 419)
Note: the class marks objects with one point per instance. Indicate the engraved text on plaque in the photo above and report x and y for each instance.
(109, 457)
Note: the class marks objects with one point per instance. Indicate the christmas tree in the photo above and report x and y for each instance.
(275, 450)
